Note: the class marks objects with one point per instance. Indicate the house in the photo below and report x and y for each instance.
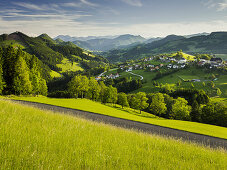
(195, 80)
(129, 69)
(98, 78)
(182, 61)
(157, 67)
(216, 60)
(169, 66)
(152, 69)
(175, 66)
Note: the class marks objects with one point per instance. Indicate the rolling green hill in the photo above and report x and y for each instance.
(214, 43)
(52, 53)
(35, 139)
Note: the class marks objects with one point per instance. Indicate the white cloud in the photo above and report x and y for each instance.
(136, 3)
(71, 4)
(88, 3)
(36, 7)
(222, 5)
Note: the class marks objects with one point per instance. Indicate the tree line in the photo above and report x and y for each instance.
(20, 73)
(182, 104)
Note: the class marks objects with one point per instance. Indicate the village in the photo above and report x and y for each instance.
(163, 62)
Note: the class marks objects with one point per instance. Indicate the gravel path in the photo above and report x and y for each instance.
(213, 142)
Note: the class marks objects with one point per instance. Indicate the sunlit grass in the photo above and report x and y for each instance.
(96, 107)
(69, 66)
(35, 139)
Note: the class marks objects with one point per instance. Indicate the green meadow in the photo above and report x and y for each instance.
(185, 74)
(130, 114)
(35, 139)
(69, 66)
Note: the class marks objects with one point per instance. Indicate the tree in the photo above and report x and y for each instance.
(84, 85)
(142, 104)
(219, 92)
(195, 113)
(157, 106)
(94, 89)
(133, 101)
(204, 85)
(110, 95)
(43, 87)
(35, 77)
(169, 101)
(180, 109)
(214, 113)
(102, 90)
(122, 100)
(21, 81)
(2, 83)
(74, 86)
(9, 60)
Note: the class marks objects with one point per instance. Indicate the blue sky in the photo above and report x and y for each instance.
(148, 18)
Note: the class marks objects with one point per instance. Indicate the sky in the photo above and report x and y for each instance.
(148, 18)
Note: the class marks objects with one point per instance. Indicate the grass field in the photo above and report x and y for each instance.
(69, 66)
(186, 74)
(54, 74)
(35, 139)
(82, 104)
(186, 56)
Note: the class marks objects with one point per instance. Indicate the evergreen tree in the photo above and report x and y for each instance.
(35, 76)
(2, 83)
(43, 87)
(21, 81)
(9, 60)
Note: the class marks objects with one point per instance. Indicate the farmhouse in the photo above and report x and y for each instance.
(216, 60)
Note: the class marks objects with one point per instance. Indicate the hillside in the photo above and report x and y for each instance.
(52, 53)
(130, 114)
(105, 44)
(214, 43)
(52, 141)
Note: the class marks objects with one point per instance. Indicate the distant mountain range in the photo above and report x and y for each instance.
(106, 43)
(69, 38)
(214, 43)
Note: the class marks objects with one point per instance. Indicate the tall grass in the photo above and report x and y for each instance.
(35, 139)
(127, 113)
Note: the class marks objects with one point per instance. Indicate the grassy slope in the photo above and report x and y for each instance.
(185, 55)
(35, 139)
(54, 74)
(186, 74)
(88, 105)
(69, 66)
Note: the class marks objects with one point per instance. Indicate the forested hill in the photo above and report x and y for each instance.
(215, 43)
(51, 52)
